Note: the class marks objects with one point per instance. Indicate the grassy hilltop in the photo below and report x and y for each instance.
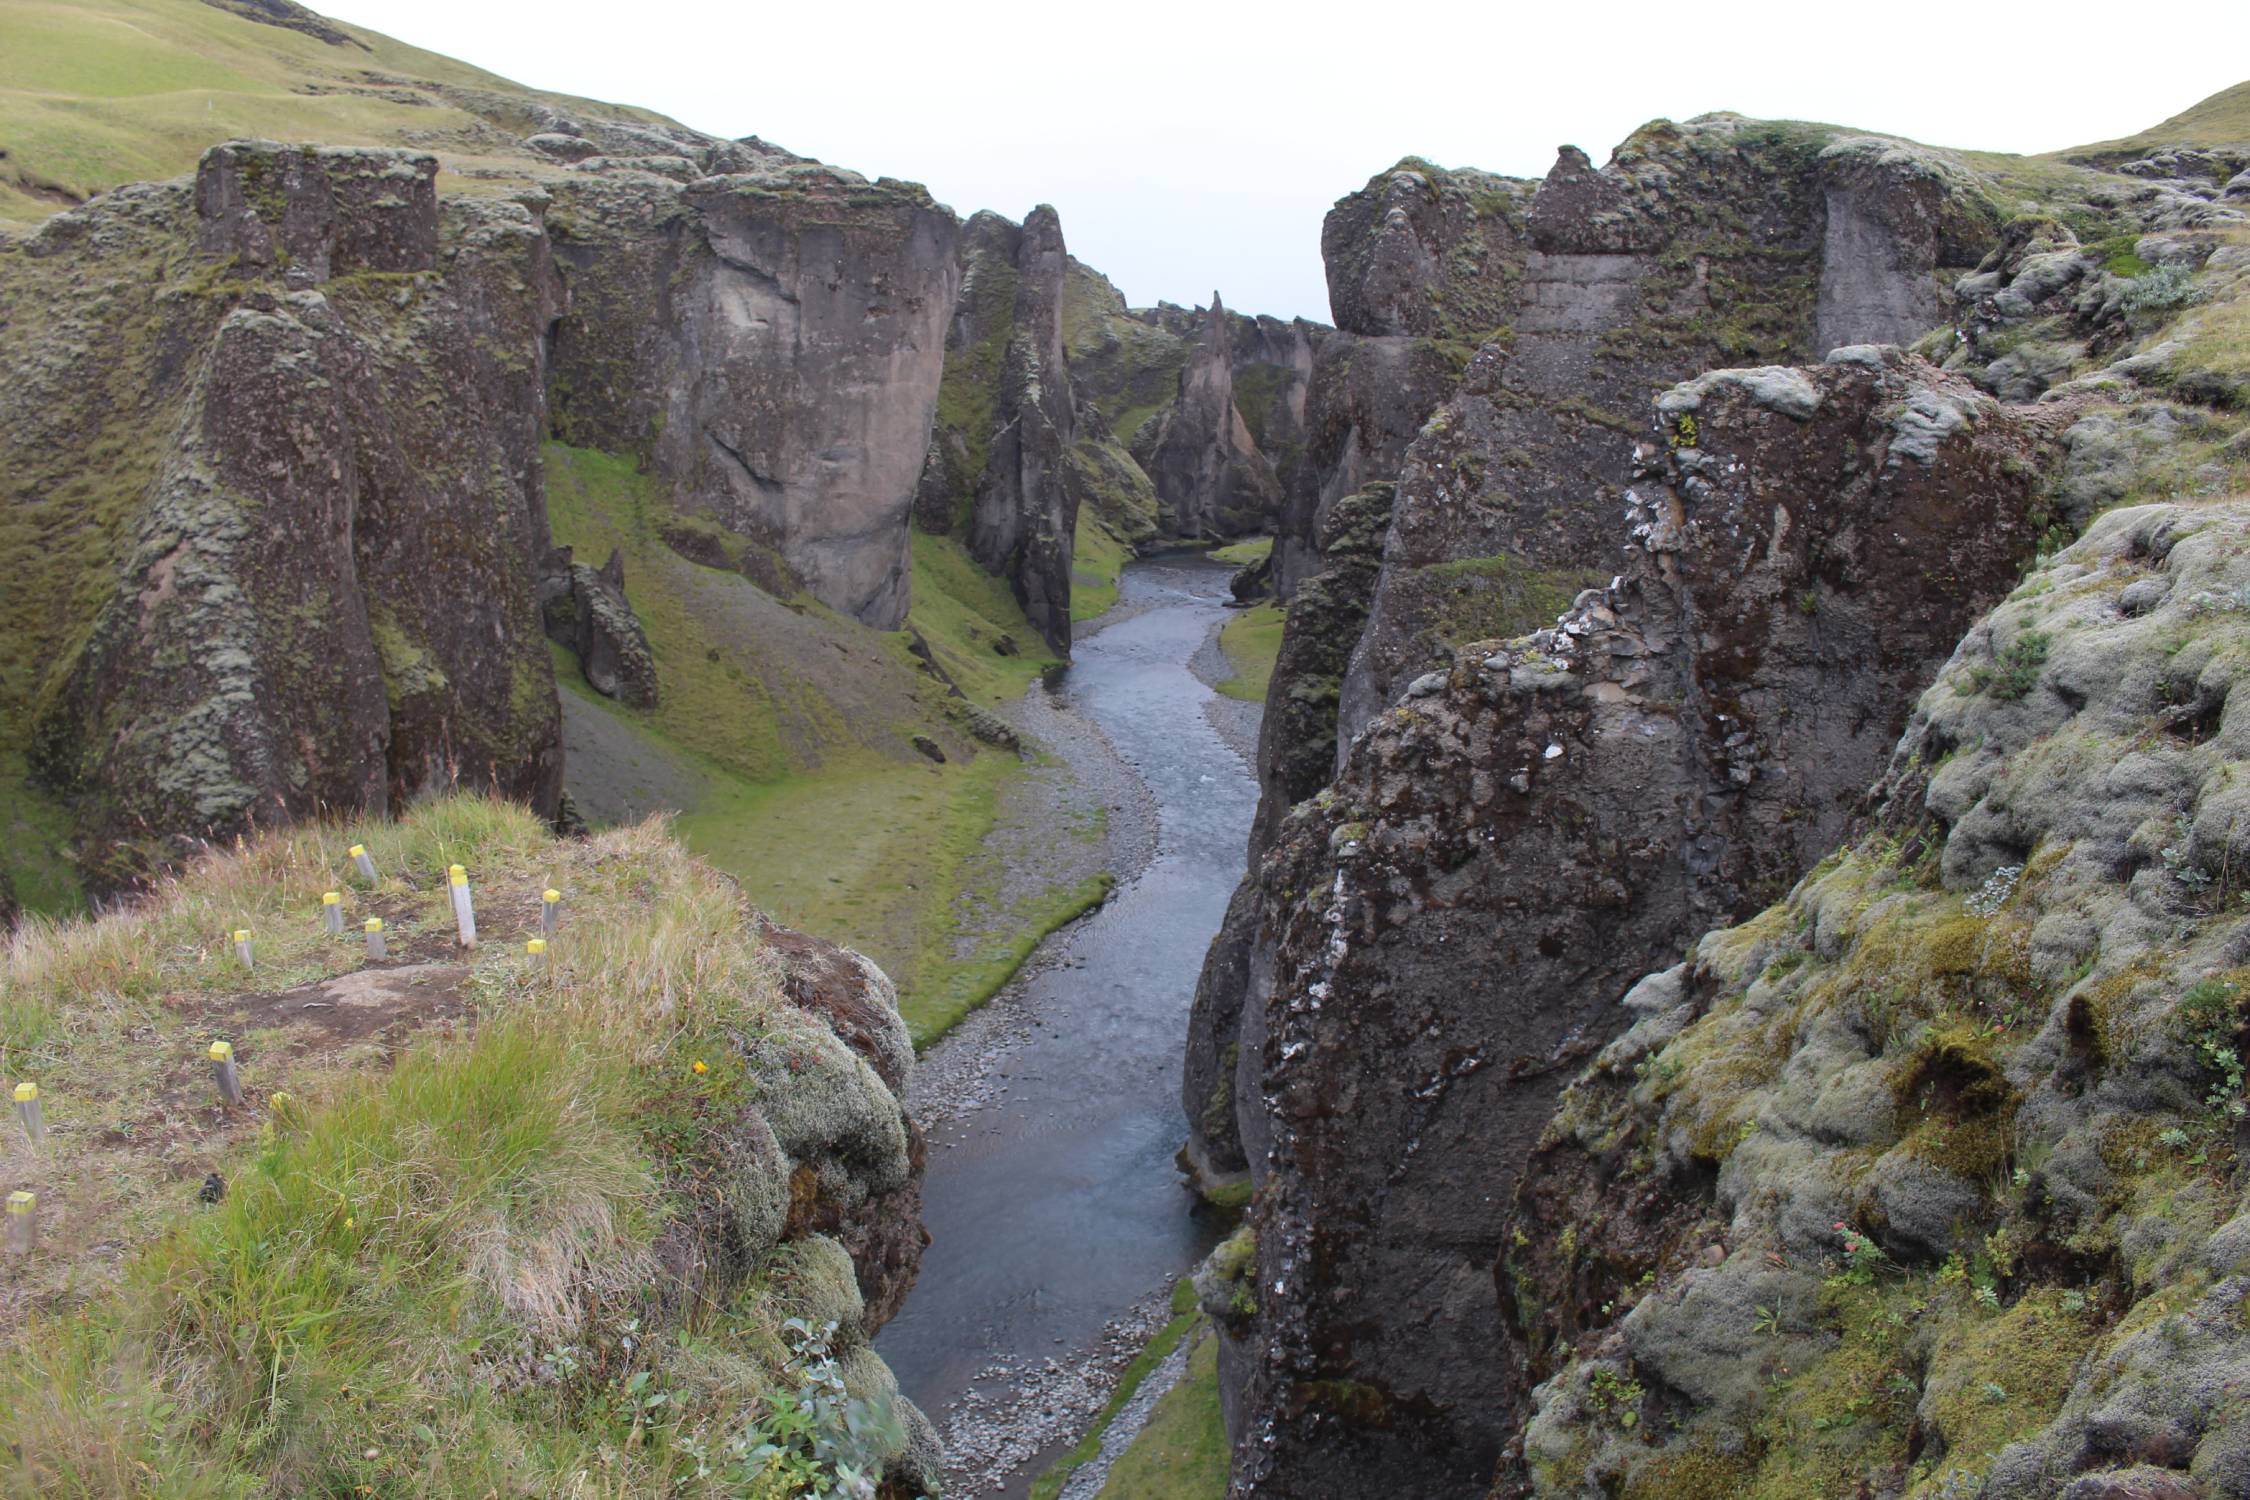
(485, 1228)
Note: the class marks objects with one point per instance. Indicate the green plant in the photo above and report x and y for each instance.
(815, 1440)
(2160, 290)
(2210, 1018)
(1862, 1257)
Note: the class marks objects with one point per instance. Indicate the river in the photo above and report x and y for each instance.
(1056, 1206)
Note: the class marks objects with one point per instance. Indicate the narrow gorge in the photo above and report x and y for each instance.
(1616, 875)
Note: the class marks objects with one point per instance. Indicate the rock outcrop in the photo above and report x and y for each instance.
(1211, 479)
(277, 517)
(1722, 241)
(1440, 929)
(586, 612)
(999, 466)
(288, 416)
(1927, 1176)
(770, 341)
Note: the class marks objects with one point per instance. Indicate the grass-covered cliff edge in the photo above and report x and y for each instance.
(480, 1226)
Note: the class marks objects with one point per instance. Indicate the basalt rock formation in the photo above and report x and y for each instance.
(586, 613)
(1722, 241)
(1939, 1151)
(1496, 337)
(770, 340)
(998, 470)
(318, 571)
(293, 399)
(1441, 928)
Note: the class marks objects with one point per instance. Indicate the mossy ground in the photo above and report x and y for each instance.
(799, 722)
(1243, 553)
(1252, 643)
(447, 1207)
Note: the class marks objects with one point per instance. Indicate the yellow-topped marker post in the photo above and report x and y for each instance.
(30, 1115)
(225, 1075)
(332, 913)
(23, 1223)
(464, 907)
(375, 944)
(536, 951)
(242, 951)
(362, 864)
(550, 911)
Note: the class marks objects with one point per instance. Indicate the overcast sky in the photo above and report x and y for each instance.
(1193, 146)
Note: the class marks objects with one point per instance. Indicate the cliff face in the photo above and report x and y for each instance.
(1942, 1152)
(1860, 1205)
(770, 341)
(998, 470)
(275, 505)
(1495, 337)
(293, 412)
(1440, 928)
(1718, 242)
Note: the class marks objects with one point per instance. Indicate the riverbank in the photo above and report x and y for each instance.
(1058, 1219)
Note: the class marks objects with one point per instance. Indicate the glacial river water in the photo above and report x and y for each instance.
(1060, 1206)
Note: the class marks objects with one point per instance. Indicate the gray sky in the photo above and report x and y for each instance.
(1196, 146)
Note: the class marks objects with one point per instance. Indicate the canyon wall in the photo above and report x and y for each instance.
(276, 511)
(1521, 826)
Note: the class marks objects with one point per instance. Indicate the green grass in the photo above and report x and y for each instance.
(94, 93)
(1096, 560)
(35, 836)
(798, 721)
(963, 612)
(1242, 554)
(1251, 640)
(1182, 1453)
(2221, 120)
(405, 1241)
(1186, 1319)
(877, 856)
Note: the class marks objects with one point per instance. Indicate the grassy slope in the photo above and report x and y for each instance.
(799, 721)
(2221, 120)
(1096, 559)
(94, 93)
(1251, 641)
(1242, 554)
(403, 1245)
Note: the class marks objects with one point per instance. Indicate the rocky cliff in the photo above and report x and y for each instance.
(294, 377)
(275, 500)
(1429, 951)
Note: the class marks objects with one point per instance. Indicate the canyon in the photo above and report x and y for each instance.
(1734, 973)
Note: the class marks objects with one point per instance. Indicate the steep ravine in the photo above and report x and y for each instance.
(1052, 1199)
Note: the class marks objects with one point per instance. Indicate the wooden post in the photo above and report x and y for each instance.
(550, 911)
(361, 863)
(23, 1223)
(332, 913)
(375, 945)
(242, 948)
(29, 1112)
(464, 906)
(225, 1075)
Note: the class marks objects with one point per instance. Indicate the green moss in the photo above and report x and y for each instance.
(1097, 559)
(1994, 1379)
(964, 613)
(1251, 640)
(1490, 598)
(1242, 554)
(1697, 1472)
